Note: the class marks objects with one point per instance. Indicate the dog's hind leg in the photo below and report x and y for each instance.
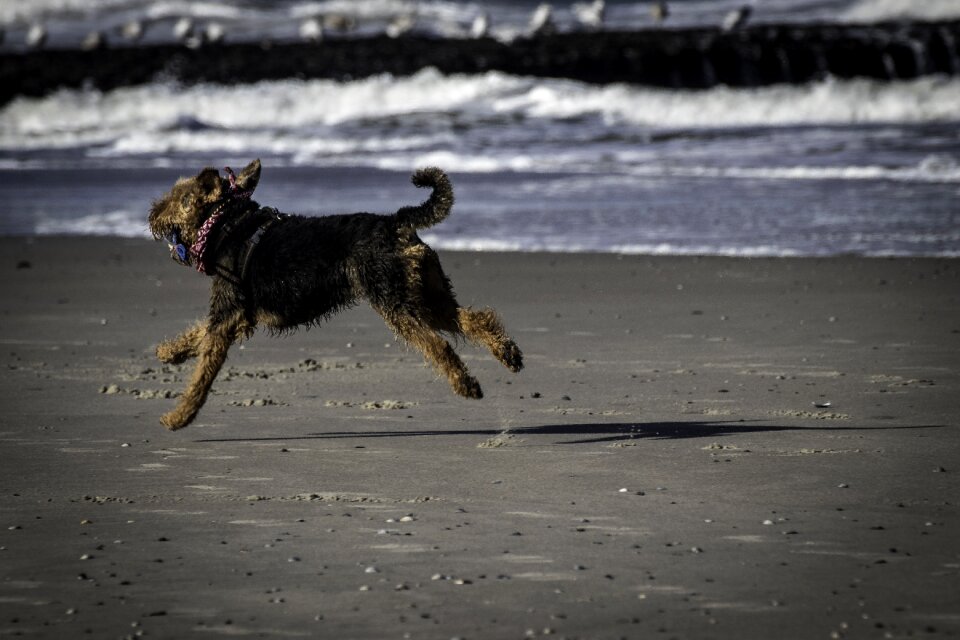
(438, 352)
(184, 346)
(485, 327)
(211, 354)
(438, 307)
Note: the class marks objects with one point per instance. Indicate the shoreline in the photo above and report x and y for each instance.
(698, 447)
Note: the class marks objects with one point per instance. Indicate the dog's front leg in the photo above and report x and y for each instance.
(212, 352)
(184, 346)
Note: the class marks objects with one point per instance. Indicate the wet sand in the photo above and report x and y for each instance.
(709, 448)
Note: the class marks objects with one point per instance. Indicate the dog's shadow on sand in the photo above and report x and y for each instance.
(581, 433)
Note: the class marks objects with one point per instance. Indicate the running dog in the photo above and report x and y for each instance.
(282, 271)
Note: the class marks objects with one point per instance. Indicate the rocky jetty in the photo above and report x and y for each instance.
(686, 58)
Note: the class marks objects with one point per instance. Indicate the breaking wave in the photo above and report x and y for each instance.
(487, 122)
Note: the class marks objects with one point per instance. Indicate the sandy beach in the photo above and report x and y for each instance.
(698, 448)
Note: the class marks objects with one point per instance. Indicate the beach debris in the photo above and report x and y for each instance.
(254, 402)
(142, 394)
(502, 440)
(811, 415)
(717, 446)
(406, 518)
(823, 405)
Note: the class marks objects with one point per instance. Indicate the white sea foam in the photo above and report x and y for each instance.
(830, 102)
(934, 168)
(113, 223)
(879, 10)
(282, 115)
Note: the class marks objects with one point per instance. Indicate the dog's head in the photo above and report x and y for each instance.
(178, 215)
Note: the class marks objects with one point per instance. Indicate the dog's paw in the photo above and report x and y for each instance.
(512, 357)
(175, 420)
(468, 387)
(167, 354)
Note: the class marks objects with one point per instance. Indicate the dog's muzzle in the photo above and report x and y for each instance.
(178, 251)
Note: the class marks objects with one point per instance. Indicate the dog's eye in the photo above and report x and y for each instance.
(185, 202)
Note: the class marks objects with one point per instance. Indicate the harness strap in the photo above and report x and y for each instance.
(249, 248)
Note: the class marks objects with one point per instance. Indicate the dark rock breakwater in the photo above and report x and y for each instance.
(688, 58)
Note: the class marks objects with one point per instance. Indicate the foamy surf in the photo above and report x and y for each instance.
(504, 121)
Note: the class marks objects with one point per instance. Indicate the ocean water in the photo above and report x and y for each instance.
(833, 167)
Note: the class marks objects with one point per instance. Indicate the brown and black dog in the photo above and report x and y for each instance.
(282, 271)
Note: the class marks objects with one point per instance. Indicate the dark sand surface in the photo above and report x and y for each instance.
(659, 470)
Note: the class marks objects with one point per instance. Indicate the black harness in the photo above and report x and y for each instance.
(247, 227)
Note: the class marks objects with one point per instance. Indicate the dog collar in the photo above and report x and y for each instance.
(199, 248)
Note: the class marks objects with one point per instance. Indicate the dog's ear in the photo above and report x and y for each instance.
(249, 177)
(211, 186)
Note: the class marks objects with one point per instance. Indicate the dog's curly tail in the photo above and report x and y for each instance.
(436, 207)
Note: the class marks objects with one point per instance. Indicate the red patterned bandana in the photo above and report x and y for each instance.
(199, 247)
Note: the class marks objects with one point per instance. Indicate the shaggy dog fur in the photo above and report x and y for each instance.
(282, 271)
